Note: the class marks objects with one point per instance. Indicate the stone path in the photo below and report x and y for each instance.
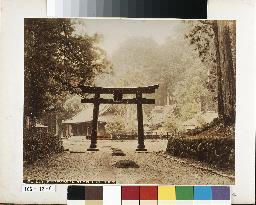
(154, 168)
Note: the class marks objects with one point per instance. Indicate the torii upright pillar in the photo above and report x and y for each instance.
(141, 136)
(93, 145)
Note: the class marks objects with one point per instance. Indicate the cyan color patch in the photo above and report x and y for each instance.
(202, 193)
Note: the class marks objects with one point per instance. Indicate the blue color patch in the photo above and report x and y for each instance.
(202, 193)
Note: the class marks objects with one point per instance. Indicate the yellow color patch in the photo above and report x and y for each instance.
(166, 193)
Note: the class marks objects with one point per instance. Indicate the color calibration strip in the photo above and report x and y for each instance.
(192, 9)
(148, 195)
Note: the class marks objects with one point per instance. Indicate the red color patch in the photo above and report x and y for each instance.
(130, 192)
(148, 193)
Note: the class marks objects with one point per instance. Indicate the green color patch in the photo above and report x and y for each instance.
(184, 192)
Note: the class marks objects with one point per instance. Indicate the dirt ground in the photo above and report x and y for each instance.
(155, 167)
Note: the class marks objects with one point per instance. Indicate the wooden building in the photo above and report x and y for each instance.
(80, 124)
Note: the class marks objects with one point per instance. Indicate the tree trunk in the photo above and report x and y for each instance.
(58, 126)
(218, 71)
(226, 75)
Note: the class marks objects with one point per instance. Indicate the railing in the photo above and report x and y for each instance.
(133, 136)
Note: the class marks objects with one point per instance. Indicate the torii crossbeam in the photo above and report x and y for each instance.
(118, 99)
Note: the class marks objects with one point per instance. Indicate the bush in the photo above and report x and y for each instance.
(116, 125)
(126, 164)
(38, 144)
(172, 124)
(217, 151)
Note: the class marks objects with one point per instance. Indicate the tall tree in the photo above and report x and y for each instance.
(226, 69)
(57, 60)
(215, 43)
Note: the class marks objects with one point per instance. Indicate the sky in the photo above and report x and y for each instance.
(116, 31)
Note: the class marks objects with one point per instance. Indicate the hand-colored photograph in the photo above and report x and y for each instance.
(128, 101)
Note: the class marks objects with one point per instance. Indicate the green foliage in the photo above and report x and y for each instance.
(115, 126)
(72, 106)
(215, 43)
(141, 61)
(57, 60)
(202, 38)
(38, 143)
(216, 151)
(213, 143)
(172, 124)
(188, 110)
(134, 62)
(189, 91)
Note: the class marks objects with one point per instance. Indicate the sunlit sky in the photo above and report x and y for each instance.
(116, 31)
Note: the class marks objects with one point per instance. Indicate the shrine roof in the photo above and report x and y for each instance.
(86, 115)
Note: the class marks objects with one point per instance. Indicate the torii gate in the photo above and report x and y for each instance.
(118, 99)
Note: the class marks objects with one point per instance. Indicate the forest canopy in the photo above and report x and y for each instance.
(57, 60)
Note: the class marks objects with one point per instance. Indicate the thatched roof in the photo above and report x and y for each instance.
(87, 114)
